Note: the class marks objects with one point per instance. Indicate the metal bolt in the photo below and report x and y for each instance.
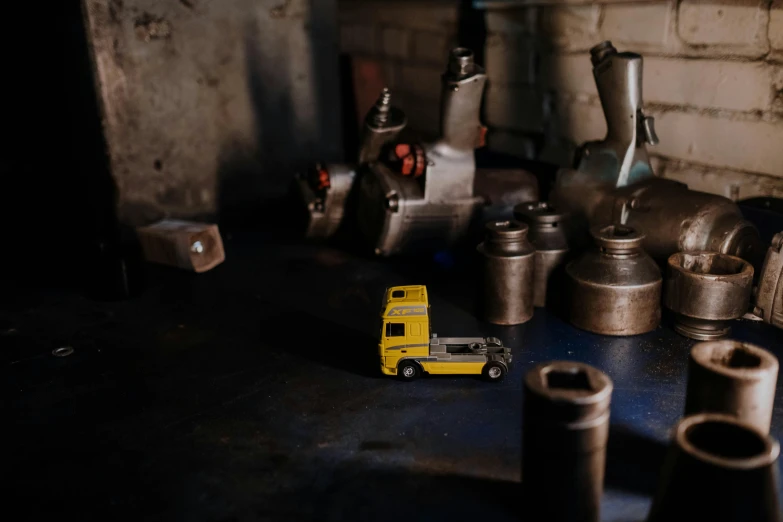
(197, 247)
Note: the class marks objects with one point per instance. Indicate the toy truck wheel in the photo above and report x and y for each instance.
(408, 370)
(494, 371)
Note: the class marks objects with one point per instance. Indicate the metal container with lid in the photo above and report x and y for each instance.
(614, 289)
(548, 236)
(509, 264)
(707, 290)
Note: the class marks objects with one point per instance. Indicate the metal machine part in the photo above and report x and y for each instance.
(718, 468)
(621, 158)
(325, 189)
(734, 378)
(615, 289)
(705, 291)
(769, 294)
(565, 427)
(672, 217)
(398, 212)
(548, 235)
(381, 126)
(509, 266)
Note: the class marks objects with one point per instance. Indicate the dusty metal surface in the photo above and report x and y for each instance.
(252, 392)
(719, 468)
(565, 429)
(615, 287)
(509, 268)
(706, 291)
(206, 103)
(733, 378)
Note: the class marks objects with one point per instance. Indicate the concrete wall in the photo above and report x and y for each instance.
(209, 106)
(713, 78)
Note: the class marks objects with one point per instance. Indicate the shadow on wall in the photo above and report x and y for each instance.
(291, 70)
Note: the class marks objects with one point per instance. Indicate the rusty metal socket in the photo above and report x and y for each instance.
(734, 378)
(509, 265)
(565, 426)
(707, 290)
(719, 469)
(548, 236)
(615, 289)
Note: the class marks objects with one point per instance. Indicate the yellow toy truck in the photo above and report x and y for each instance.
(408, 347)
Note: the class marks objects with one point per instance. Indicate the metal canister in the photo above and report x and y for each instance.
(548, 236)
(509, 266)
(565, 427)
(614, 289)
(707, 290)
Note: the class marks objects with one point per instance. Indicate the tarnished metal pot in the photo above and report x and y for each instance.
(548, 235)
(509, 264)
(614, 289)
(706, 290)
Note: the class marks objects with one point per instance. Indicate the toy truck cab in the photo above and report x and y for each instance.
(407, 347)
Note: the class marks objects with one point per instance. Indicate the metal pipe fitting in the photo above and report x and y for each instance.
(509, 264)
(381, 125)
(769, 294)
(614, 289)
(733, 378)
(718, 468)
(548, 236)
(706, 290)
(565, 427)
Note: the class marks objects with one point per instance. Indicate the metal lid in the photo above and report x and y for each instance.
(617, 238)
(539, 212)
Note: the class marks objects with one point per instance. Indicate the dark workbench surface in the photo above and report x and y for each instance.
(253, 392)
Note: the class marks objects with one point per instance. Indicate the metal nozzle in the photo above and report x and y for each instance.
(601, 51)
(461, 62)
(380, 112)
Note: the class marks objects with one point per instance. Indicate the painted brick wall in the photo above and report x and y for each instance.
(713, 78)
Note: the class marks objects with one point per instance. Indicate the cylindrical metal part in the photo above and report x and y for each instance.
(565, 426)
(719, 469)
(461, 62)
(769, 295)
(706, 290)
(509, 265)
(734, 378)
(614, 289)
(548, 236)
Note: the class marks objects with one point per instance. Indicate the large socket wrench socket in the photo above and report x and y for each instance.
(565, 427)
(509, 267)
(705, 291)
(718, 469)
(326, 188)
(732, 378)
(614, 288)
(769, 294)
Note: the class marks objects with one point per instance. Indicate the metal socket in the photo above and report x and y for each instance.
(734, 378)
(706, 290)
(509, 266)
(769, 296)
(565, 427)
(614, 289)
(718, 468)
(548, 236)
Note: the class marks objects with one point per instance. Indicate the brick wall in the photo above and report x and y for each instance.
(713, 78)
